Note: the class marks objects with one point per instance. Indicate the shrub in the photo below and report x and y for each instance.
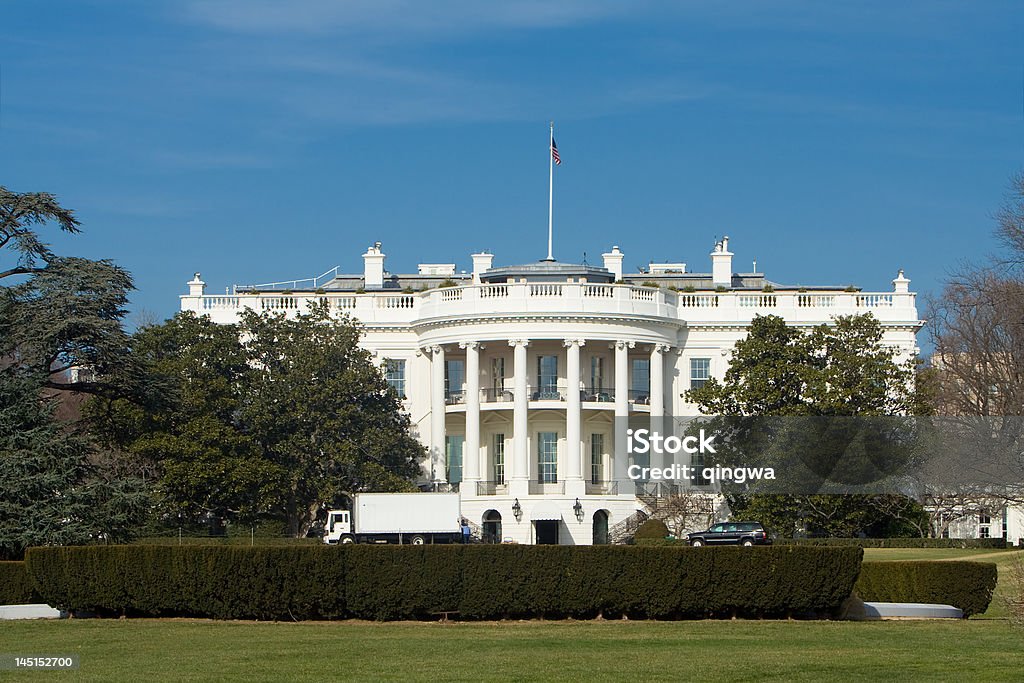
(479, 582)
(967, 585)
(652, 528)
(898, 542)
(15, 585)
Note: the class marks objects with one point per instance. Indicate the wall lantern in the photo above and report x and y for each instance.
(517, 510)
(578, 509)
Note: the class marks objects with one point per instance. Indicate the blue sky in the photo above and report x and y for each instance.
(258, 141)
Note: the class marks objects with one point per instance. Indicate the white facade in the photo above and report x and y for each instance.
(523, 370)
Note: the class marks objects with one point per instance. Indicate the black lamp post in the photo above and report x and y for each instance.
(578, 509)
(517, 510)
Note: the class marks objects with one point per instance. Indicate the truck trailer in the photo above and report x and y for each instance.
(413, 518)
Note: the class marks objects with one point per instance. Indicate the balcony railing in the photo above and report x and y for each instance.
(555, 298)
(490, 488)
(641, 396)
(537, 488)
(440, 487)
(599, 395)
(497, 395)
(452, 398)
(656, 489)
(547, 395)
(602, 488)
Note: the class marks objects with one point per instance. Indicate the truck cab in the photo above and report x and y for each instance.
(339, 527)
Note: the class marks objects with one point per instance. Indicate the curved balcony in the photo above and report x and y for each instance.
(546, 297)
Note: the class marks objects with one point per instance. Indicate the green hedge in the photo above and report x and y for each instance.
(15, 585)
(476, 581)
(897, 542)
(967, 585)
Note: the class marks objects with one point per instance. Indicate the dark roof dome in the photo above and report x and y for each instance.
(547, 271)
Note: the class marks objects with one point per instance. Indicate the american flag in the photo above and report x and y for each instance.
(554, 153)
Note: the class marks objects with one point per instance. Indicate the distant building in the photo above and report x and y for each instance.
(519, 378)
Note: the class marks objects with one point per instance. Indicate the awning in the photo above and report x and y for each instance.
(544, 510)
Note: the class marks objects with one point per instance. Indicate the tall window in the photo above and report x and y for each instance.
(454, 377)
(641, 380)
(596, 458)
(497, 374)
(499, 459)
(547, 376)
(697, 462)
(394, 374)
(453, 457)
(596, 373)
(547, 457)
(700, 372)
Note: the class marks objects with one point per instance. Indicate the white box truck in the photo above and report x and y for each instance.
(414, 518)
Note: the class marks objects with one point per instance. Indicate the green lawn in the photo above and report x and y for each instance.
(1003, 559)
(523, 651)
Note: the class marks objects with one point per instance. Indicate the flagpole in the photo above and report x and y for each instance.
(551, 186)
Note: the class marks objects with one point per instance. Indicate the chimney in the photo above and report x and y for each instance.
(481, 262)
(197, 287)
(373, 267)
(721, 264)
(613, 262)
(901, 285)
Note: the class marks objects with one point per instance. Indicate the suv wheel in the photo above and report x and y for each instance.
(747, 542)
(696, 543)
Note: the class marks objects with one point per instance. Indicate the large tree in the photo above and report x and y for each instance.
(58, 314)
(273, 418)
(60, 332)
(322, 410)
(809, 384)
(976, 325)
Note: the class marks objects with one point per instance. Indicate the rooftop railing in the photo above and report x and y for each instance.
(567, 298)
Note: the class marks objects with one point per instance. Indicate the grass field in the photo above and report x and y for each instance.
(524, 651)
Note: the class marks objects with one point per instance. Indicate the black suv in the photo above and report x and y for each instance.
(731, 533)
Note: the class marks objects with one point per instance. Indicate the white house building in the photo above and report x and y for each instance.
(520, 379)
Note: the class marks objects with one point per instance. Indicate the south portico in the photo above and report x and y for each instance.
(538, 420)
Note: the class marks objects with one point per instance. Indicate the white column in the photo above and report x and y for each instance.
(471, 455)
(437, 415)
(658, 400)
(620, 458)
(573, 418)
(519, 481)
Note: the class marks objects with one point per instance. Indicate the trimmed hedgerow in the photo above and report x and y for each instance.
(898, 542)
(967, 585)
(861, 542)
(15, 585)
(476, 582)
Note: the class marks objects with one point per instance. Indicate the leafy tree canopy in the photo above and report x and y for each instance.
(273, 418)
(833, 371)
(57, 314)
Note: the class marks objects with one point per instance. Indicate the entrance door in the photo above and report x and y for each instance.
(547, 532)
(492, 526)
(600, 527)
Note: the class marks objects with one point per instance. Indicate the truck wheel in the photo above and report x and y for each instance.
(697, 543)
(418, 540)
(347, 538)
